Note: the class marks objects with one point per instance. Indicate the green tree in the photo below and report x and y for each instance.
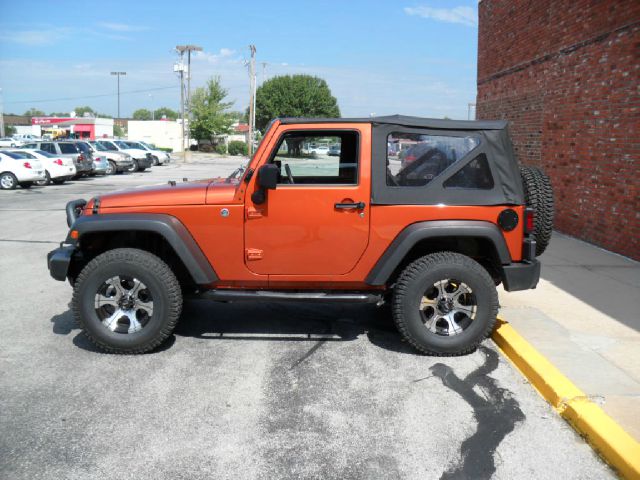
(294, 96)
(10, 130)
(208, 110)
(80, 111)
(59, 114)
(142, 114)
(118, 131)
(242, 117)
(166, 111)
(34, 112)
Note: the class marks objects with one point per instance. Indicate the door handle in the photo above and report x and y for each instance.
(350, 206)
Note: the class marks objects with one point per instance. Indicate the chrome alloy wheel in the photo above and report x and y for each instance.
(124, 304)
(7, 181)
(448, 307)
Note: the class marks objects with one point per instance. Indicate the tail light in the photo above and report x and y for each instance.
(27, 165)
(81, 158)
(58, 162)
(529, 217)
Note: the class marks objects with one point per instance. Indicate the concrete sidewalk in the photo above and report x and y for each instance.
(584, 317)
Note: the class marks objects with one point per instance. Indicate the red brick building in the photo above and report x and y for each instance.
(566, 74)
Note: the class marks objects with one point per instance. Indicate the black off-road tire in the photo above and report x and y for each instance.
(419, 276)
(154, 273)
(538, 194)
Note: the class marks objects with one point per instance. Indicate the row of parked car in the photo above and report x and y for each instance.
(43, 162)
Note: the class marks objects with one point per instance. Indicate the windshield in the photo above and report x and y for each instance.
(100, 147)
(135, 145)
(108, 145)
(150, 146)
(26, 155)
(121, 144)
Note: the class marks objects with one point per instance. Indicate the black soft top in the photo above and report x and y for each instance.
(408, 121)
(494, 142)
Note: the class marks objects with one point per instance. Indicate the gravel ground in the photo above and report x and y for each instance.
(248, 391)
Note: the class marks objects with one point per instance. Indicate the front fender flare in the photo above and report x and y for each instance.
(167, 226)
(414, 233)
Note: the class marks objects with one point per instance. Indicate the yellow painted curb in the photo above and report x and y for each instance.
(616, 446)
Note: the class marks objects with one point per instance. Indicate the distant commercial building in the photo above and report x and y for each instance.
(74, 127)
(566, 74)
(162, 133)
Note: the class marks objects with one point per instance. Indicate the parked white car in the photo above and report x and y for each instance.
(159, 157)
(16, 170)
(57, 169)
(141, 158)
(319, 150)
(10, 142)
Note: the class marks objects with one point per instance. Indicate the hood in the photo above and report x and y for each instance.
(186, 193)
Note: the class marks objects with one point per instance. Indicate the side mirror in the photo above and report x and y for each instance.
(268, 176)
(267, 180)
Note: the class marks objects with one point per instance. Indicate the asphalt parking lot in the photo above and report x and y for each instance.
(248, 391)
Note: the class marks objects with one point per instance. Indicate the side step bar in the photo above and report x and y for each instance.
(283, 296)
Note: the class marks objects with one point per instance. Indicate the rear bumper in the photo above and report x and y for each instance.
(58, 261)
(521, 276)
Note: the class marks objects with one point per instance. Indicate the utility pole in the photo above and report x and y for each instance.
(252, 98)
(181, 49)
(118, 74)
(179, 68)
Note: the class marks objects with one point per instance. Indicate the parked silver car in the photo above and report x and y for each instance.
(118, 161)
(69, 149)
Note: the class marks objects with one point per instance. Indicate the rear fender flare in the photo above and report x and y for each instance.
(416, 232)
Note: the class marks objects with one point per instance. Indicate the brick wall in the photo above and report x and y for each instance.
(566, 74)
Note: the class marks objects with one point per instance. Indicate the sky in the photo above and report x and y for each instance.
(378, 56)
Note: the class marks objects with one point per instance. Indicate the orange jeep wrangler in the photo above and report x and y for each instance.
(425, 215)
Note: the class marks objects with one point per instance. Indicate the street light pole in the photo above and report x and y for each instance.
(118, 74)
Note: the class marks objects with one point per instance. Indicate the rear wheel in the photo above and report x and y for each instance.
(8, 181)
(445, 304)
(127, 301)
(539, 196)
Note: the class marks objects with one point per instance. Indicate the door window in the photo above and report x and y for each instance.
(68, 148)
(318, 158)
(48, 147)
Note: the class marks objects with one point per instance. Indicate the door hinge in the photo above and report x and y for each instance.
(253, 254)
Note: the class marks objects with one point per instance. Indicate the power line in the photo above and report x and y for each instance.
(93, 96)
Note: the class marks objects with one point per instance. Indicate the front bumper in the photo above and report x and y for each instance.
(521, 276)
(58, 261)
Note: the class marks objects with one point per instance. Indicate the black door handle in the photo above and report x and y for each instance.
(350, 206)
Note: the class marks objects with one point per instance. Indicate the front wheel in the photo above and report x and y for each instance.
(127, 301)
(111, 169)
(134, 166)
(445, 304)
(46, 181)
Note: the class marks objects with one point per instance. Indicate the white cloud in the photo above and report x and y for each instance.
(123, 27)
(464, 15)
(35, 37)
(226, 52)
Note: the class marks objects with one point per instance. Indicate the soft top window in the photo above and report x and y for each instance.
(414, 159)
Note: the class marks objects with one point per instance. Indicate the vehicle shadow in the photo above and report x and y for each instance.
(271, 322)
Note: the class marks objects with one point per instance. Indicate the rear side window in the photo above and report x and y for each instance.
(48, 147)
(318, 157)
(414, 159)
(476, 174)
(68, 148)
(83, 147)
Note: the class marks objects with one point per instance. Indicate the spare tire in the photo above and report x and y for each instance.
(538, 195)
